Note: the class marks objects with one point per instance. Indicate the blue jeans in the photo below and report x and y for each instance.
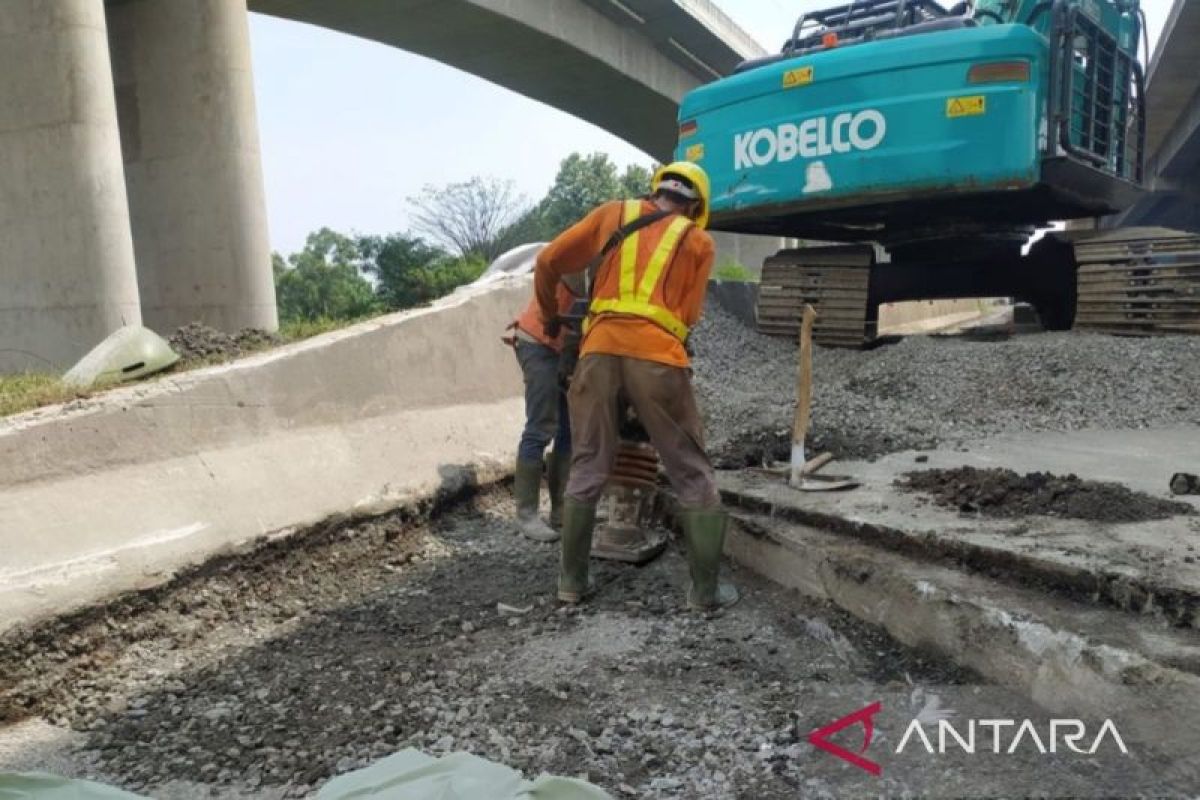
(546, 417)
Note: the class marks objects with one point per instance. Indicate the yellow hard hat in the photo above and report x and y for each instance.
(693, 174)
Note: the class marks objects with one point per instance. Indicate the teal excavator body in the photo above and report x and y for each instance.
(942, 137)
(885, 115)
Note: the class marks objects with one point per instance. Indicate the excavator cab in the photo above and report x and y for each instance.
(942, 137)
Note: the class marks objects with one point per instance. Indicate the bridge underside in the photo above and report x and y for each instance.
(566, 55)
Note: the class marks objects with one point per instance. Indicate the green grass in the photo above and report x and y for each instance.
(730, 270)
(295, 330)
(32, 389)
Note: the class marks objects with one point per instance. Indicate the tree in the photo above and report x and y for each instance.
(408, 272)
(469, 218)
(530, 227)
(323, 281)
(582, 183)
(635, 181)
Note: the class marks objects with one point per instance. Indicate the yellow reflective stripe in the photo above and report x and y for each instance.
(636, 301)
(660, 258)
(656, 314)
(629, 248)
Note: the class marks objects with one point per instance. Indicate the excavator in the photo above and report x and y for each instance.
(922, 148)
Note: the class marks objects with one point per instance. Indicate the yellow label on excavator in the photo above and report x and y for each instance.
(695, 152)
(970, 106)
(800, 76)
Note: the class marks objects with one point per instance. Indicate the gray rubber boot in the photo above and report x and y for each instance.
(579, 519)
(704, 531)
(527, 484)
(558, 470)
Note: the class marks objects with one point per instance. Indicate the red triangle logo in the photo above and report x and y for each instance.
(820, 737)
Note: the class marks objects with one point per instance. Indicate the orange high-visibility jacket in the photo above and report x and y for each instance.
(630, 315)
(533, 322)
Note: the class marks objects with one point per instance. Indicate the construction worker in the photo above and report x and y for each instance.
(648, 292)
(541, 357)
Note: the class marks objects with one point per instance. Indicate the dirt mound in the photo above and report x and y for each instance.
(1005, 493)
(198, 342)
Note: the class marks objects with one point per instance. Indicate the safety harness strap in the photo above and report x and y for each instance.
(634, 296)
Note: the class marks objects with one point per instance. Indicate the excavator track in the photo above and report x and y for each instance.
(1138, 281)
(1129, 281)
(833, 280)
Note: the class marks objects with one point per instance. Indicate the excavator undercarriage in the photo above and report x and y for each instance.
(1131, 281)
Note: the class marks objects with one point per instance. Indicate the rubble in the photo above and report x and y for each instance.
(1005, 493)
(924, 391)
(266, 674)
(197, 342)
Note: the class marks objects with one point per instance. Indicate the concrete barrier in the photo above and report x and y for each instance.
(925, 316)
(119, 492)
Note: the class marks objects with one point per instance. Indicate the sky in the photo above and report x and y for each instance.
(351, 129)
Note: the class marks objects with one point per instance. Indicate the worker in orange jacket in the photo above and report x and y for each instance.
(647, 294)
(541, 355)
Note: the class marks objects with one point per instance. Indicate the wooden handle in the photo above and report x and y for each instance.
(815, 463)
(804, 377)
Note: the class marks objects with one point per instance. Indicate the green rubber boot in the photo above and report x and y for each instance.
(578, 521)
(704, 531)
(558, 469)
(527, 484)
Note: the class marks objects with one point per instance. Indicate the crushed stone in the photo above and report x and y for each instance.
(197, 342)
(924, 391)
(263, 676)
(1004, 493)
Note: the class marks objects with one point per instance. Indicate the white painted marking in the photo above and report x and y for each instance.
(816, 178)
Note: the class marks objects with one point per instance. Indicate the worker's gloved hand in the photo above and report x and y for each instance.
(553, 327)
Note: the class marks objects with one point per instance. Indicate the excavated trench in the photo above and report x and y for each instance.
(265, 673)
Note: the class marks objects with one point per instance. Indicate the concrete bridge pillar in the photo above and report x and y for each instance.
(67, 275)
(189, 131)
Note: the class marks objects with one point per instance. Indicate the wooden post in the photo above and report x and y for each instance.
(803, 395)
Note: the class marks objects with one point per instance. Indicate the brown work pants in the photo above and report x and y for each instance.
(662, 396)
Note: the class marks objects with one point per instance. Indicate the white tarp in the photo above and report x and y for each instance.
(38, 786)
(407, 775)
(413, 775)
(517, 261)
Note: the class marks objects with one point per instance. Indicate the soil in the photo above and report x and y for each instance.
(1005, 493)
(196, 342)
(264, 674)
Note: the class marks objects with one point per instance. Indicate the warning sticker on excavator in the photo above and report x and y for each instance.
(970, 106)
(800, 76)
(695, 152)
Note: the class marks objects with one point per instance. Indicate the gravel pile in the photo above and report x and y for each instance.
(1005, 493)
(924, 391)
(198, 342)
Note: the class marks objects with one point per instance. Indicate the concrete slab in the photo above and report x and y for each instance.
(1146, 567)
(1073, 659)
(119, 492)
